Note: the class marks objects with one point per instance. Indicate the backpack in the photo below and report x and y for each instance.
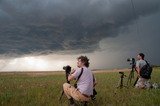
(146, 71)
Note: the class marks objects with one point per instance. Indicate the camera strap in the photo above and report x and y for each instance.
(79, 76)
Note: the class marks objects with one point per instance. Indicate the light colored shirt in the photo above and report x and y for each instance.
(140, 63)
(85, 82)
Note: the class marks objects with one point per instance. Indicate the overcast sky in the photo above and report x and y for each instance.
(48, 34)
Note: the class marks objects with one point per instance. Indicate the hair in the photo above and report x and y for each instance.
(142, 55)
(85, 60)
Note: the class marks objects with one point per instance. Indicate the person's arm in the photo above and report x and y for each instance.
(74, 75)
(73, 70)
(138, 70)
(70, 77)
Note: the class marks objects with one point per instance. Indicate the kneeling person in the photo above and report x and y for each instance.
(142, 82)
(84, 88)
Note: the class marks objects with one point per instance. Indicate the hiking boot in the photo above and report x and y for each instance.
(71, 102)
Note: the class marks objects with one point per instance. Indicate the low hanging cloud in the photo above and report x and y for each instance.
(34, 26)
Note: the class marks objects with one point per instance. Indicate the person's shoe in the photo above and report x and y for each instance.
(71, 102)
(93, 98)
(85, 104)
(72, 105)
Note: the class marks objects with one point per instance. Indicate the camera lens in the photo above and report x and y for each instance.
(128, 59)
(64, 68)
(121, 72)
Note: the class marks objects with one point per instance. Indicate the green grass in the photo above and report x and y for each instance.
(25, 90)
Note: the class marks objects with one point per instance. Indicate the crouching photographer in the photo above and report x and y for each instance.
(84, 82)
(144, 71)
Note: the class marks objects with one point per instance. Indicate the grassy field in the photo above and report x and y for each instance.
(20, 89)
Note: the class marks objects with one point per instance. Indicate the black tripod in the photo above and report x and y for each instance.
(131, 74)
(120, 85)
(67, 72)
(130, 77)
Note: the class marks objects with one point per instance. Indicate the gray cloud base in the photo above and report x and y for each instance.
(31, 26)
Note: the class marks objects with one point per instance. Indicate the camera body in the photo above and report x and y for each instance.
(121, 73)
(67, 69)
(132, 61)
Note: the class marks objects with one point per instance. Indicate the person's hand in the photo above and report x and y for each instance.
(73, 70)
(139, 76)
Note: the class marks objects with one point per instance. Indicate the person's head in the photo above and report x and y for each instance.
(140, 56)
(82, 61)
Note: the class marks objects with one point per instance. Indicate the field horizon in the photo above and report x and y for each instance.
(62, 71)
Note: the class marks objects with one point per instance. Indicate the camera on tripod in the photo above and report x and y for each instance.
(131, 60)
(131, 75)
(121, 73)
(67, 69)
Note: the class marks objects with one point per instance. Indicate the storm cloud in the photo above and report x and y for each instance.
(46, 26)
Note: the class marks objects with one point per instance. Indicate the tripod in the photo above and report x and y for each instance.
(67, 74)
(131, 75)
(120, 85)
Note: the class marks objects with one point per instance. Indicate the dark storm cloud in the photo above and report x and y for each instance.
(29, 26)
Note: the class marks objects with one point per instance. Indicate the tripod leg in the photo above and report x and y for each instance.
(129, 78)
(136, 81)
(120, 82)
(118, 86)
(131, 75)
(61, 95)
(85, 103)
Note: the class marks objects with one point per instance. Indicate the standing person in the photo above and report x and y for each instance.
(84, 88)
(142, 82)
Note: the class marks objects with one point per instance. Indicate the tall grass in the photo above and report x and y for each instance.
(25, 90)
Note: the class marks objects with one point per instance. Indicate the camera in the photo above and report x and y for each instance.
(121, 73)
(131, 60)
(67, 69)
(133, 67)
